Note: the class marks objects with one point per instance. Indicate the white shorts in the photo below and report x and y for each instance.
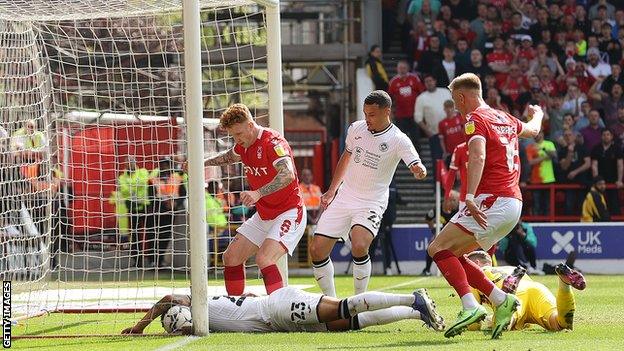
(237, 314)
(345, 212)
(287, 228)
(502, 214)
(294, 310)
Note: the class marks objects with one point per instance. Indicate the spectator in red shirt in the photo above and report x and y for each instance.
(451, 130)
(499, 60)
(417, 42)
(404, 89)
(575, 75)
(515, 84)
(526, 48)
(466, 33)
(547, 81)
(583, 78)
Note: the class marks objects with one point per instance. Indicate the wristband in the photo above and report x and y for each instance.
(470, 197)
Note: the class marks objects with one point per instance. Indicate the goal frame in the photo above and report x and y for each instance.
(194, 108)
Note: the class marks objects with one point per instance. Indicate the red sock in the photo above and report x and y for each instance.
(476, 277)
(492, 250)
(453, 271)
(234, 280)
(272, 278)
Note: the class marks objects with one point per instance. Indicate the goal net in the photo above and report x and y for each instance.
(93, 195)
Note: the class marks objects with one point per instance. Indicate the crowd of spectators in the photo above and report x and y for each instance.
(564, 55)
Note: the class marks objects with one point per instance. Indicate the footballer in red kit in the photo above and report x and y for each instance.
(459, 163)
(492, 203)
(451, 128)
(280, 219)
(259, 160)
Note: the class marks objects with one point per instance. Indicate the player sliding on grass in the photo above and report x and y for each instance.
(358, 194)
(293, 310)
(280, 220)
(493, 202)
(538, 305)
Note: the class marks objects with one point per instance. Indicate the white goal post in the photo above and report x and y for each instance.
(108, 87)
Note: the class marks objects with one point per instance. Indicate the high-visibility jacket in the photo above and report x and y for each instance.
(121, 212)
(20, 140)
(311, 195)
(133, 186)
(214, 212)
(168, 188)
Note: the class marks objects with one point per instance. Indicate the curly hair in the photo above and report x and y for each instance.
(237, 113)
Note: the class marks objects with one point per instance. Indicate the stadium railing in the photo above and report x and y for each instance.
(556, 196)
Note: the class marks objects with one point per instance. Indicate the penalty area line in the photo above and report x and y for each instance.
(400, 285)
(178, 344)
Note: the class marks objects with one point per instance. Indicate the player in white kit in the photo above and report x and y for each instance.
(358, 194)
(291, 309)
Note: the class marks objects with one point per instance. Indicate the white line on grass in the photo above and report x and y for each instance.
(403, 284)
(178, 344)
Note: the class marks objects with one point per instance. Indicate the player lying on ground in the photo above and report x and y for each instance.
(492, 206)
(537, 303)
(291, 309)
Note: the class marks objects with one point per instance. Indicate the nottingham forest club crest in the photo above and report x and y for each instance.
(383, 147)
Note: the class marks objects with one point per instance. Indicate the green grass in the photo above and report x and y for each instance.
(597, 326)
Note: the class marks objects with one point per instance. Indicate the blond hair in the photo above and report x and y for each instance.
(481, 256)
(235, 114)
(467, 81)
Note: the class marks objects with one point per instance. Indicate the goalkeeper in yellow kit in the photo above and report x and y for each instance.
(538, 305)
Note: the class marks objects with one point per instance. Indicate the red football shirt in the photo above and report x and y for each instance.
(259, 160)
(452, 130)
(513, 87)
(499, 130)
(500, 57)
(459, 162)
(404, 92)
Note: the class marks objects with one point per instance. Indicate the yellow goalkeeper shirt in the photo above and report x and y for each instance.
(537, 303)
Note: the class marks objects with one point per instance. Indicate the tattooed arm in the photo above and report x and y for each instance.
(285, 175)
(223, 158)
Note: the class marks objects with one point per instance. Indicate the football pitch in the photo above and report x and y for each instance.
(598, 326)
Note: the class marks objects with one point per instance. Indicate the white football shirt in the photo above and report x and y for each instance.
(374, 158)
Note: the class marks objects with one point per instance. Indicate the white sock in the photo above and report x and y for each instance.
(385, 316)
(469, 301)
(497, 296)
(361, 274)
(324, 275)
(373, 300)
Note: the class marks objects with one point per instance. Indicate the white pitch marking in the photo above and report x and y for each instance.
(178, 344)
(403, 284)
